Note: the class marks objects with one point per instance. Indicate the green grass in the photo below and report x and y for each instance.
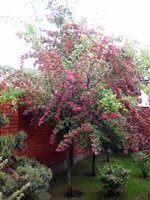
(91, 188)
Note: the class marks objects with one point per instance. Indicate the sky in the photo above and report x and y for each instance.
(128, 17)
(121, 17)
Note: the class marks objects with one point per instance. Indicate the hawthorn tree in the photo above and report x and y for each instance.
(75, 67)
(82, 84)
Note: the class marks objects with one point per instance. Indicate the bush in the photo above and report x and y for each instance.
(3, 120)
(21, 177)
(10, 142)
(23, 172)
(37, 175)
(143, 161)
(113, 179)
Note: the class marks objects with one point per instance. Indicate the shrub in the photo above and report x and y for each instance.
(143, 161)
(3, 120)
(7, 184)
(10, 142)
(37, 175)
(20, 177)
(113, 178)
(25, 172)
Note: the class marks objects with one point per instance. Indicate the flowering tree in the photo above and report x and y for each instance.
(74, 69)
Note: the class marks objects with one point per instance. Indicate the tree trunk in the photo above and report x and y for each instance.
(93, 164)
(69, 166)
(116, 150)
(71, 153)
(107, 155)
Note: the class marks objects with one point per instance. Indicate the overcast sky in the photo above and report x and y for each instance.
(125, 17)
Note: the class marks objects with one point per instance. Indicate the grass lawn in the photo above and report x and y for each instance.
(136, 186)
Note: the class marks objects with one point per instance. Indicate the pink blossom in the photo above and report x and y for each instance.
(56, 116)
(65, 136)
(140, 158)
(67, 141)
(77, 108)
(69, 77)
(96, 152)
(51, 141)
(66, 145)
(59, 148)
